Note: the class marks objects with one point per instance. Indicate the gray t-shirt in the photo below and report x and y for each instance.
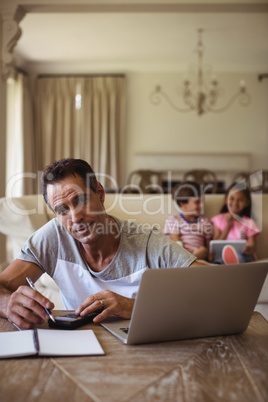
(56, 252)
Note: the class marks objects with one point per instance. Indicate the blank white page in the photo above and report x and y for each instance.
(54, 342)
(17, 343)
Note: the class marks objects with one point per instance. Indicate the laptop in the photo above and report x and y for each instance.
(216, 247)
(184, 303)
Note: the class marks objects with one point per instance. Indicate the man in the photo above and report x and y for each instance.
(96, 260)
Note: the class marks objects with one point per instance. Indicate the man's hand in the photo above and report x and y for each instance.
(109, 302)
(26, 308)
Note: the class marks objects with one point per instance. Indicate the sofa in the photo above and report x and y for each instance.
(20, 217)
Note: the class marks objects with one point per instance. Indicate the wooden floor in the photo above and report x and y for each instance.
(229, 368)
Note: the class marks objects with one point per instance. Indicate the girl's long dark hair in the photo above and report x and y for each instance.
(239, 187)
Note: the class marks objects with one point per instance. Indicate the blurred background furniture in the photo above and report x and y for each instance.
(255, 181)
(149, 181)
(145, 181)
(206, 178)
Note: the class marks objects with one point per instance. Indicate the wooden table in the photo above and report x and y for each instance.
(228, 368)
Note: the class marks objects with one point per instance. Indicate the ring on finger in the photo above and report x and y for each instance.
(102, 304)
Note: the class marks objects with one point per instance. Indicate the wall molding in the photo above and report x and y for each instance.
(224, 164)
(16, 10)
(11, 33)
(217, 161)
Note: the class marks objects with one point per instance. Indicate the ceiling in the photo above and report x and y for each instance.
(142, 41)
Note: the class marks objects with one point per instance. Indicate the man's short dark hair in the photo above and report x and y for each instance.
(188, 189)
(59, 170)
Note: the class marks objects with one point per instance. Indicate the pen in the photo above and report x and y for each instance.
(31, 284)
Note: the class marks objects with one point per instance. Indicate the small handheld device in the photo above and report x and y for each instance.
(71, 320)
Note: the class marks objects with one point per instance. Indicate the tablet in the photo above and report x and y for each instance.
(216, 247)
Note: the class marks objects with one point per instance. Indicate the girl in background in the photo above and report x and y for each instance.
(235, 223)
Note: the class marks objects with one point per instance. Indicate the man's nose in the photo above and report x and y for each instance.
(76, 214)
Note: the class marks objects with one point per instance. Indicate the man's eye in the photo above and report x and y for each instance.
(81, 200)
(61, 210)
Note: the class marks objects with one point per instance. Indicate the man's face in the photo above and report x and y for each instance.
(78, 208)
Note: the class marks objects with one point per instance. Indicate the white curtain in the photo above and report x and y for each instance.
(82, 117)
(20, 169)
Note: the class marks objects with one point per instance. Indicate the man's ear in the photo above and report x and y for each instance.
(101, 192)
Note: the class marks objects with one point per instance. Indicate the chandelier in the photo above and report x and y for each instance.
(200, 95)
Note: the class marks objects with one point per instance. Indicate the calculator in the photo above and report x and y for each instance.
(71, 320)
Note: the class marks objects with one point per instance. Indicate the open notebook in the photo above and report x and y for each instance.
(45, 342)
(181, 303)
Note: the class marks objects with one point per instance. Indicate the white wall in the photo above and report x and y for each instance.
(160, 129)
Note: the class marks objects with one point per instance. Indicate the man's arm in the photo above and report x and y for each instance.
(19, 303)
(112, 303)
(199, 263)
